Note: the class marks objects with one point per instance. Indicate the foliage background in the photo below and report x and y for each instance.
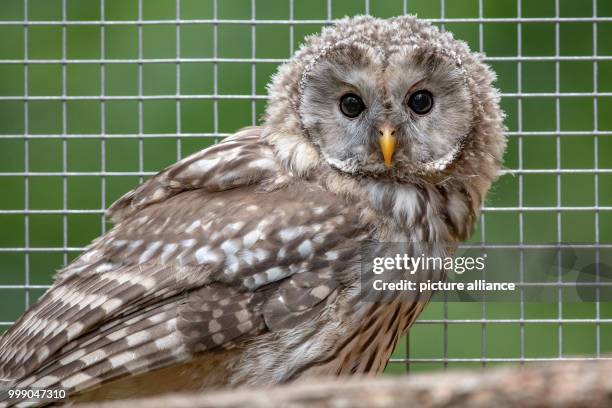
(84, 154)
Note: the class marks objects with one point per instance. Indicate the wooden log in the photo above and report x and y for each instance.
(556, 384)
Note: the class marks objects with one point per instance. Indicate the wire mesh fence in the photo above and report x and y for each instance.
(97, 95)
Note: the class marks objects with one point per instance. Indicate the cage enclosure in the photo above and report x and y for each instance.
(98, 95)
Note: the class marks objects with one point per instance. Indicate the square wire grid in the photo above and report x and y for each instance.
(442, 318)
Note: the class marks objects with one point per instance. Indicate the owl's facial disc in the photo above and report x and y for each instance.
(430, 94)
(380, 113)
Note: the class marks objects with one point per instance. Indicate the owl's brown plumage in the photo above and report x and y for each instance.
(240, 263)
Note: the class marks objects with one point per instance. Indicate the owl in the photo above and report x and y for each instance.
(240, 264)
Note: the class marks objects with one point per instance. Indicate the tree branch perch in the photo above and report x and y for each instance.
(559, 384)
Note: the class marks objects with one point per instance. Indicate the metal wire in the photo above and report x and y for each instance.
(217, 21)
(179, 99)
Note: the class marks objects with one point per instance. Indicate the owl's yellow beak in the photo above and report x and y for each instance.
(387, 143)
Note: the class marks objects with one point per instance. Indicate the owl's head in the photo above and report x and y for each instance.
(387, 99)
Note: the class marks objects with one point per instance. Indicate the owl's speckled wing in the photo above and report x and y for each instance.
(202, 258)
(241, 159)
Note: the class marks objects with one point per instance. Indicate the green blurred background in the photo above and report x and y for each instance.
(83, 154)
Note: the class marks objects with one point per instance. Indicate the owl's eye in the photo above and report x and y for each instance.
(421, 102)
(351, 105)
